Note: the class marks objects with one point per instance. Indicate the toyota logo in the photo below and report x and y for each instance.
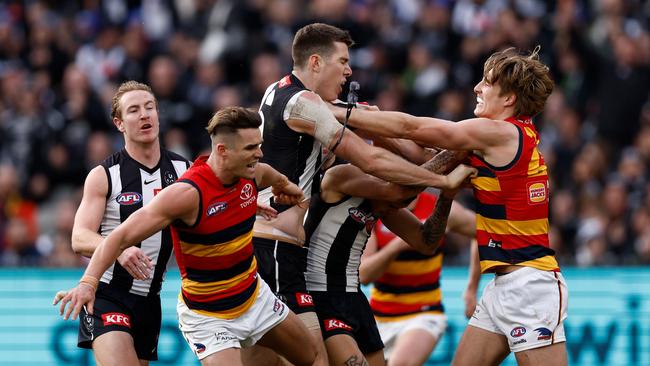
(246, 192)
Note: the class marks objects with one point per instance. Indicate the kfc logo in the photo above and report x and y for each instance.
(304, 299)
(116, 319)
(246, 192)
(331, 324)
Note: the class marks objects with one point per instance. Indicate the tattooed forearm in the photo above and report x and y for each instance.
(434, 227)
(445, 161)
(356, 361)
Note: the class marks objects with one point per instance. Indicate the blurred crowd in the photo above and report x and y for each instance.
(61, 61)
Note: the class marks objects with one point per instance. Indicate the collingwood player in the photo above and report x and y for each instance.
(124, 328)
(297, 125)
(340, 220)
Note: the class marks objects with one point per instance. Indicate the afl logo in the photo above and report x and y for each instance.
(246, 192)
(536, 193)
(128, 198)
(216, 208)
(518, 332)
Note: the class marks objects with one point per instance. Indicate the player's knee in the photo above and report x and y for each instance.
(308, 355)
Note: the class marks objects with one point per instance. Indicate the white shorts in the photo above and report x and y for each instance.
(207, 335)
(528, 306)
(434, 324)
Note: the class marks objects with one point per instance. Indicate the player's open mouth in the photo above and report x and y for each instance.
(146, 126)
(251, 165)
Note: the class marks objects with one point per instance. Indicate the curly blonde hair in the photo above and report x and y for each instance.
(524, 75)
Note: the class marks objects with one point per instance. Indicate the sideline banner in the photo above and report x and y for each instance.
(609, 318)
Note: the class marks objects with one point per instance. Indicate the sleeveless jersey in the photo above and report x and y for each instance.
(512, 207)
(336, 234)
(130, 186)
(215, 254)
(411, 283)
(296, 155)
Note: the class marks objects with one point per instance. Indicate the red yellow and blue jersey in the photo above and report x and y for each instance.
(215, 254)
(512, 207)
(411, 283)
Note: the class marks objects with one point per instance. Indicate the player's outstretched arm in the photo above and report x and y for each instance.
(283, 189)
(179, 201)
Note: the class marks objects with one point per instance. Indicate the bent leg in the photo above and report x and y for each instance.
(480, 347)
(342, 349)
(228, 356)
(116, 348)
(412, 348)
(555, 354)
(285, 338)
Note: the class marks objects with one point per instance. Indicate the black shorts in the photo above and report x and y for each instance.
(117, 310)
(282, 266)
(348, 313)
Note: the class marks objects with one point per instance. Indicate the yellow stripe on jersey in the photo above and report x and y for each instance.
(534, 166)
(209, 288)
(217, 250)
(546, 263)
(424, 297)
(388, 319)
(414, 267)
(230, 313)
(508, 227)
(486, 184)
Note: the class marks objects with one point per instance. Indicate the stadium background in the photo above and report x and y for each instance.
(61, 61)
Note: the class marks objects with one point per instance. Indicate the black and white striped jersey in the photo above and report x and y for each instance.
(130, 186)
(296, 155)
(336, 234)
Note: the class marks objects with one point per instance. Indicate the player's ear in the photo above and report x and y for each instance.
(119, 124)
(510, 100)
(315, 62)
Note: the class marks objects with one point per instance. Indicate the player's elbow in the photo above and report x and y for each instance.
(76, 241)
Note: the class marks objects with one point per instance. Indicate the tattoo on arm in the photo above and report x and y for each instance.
(434, 227)
(445, 161)
(356, 361)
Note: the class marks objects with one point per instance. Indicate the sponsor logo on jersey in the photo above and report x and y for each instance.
(519, 341)
(331, 324)
(216, 208)
(116, 319)
(246, 191)
(544, 334)
(363, 218)
(247, 196)
(536, 193)
(304, 299)
(284, 82)
(128, 198)
(518, 332)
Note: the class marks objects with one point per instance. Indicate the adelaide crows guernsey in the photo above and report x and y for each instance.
(215, 254)
(512, 207)
(411, 283)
